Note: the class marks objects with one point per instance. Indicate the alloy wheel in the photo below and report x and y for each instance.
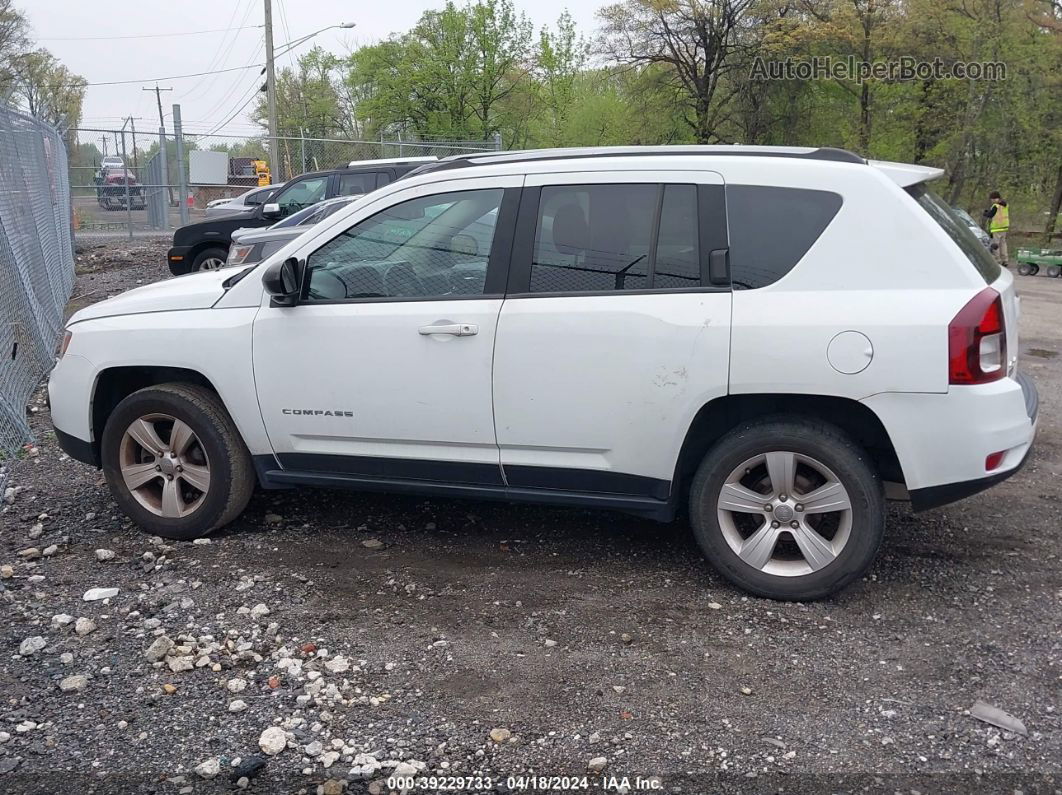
(785, 513)
(211, 264)
(164, 465)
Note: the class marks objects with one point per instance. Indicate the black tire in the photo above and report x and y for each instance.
(214, 252)
(232, 478)
(1034, 269)
(1054, 270)
(1024, 269)
(818, 440)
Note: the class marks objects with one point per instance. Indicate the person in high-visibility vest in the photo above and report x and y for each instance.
(998, 215)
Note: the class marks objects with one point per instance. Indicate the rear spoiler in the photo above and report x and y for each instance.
(905, 175)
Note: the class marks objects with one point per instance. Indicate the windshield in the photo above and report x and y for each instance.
(313, 214)
(948, 220)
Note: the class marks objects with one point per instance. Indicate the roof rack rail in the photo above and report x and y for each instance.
(537, 155)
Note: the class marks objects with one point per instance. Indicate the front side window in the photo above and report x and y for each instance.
(302, 194)
(431, 247)
(616, 237)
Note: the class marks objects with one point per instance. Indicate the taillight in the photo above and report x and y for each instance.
(977, 341)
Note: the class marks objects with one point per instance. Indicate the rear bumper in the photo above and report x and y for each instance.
(178, 260)
(942, 440)
(936, 496)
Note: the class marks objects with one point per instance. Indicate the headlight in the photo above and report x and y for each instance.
(65, 343)
(238, 254)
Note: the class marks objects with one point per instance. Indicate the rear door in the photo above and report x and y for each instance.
(613, 334)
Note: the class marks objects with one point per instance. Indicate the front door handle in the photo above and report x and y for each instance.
(453, 329)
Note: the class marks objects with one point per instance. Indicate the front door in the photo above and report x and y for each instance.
(383, 370)
(615, 331)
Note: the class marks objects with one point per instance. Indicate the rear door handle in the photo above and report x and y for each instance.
(453, 329)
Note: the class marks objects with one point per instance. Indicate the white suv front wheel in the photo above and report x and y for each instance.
(788, 509)
(174, 461)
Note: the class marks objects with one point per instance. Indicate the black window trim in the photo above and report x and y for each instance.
(500, 251)
(519, 281)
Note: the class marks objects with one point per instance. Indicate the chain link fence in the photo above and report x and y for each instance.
(36, 263)
(127, 183)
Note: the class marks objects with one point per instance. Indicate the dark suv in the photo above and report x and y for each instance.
(204, 245)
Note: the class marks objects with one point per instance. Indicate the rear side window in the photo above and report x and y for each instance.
(616, 237)
(771, 229)
(948, 220)
(356, 184)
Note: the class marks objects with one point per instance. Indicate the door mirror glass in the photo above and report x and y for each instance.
(271, 210)
(283, 281)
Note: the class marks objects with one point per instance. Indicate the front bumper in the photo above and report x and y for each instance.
(78, 449)
(936, 496)
(178, 260)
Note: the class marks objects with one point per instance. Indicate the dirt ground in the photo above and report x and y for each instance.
(385, 635)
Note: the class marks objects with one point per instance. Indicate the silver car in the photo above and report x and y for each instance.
(245, 202)
(252, 245)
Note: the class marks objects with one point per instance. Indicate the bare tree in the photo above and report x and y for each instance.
(693, 41)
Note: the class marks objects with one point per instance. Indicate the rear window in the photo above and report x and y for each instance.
(948, 220)
(771, 229)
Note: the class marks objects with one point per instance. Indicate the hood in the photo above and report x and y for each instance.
(193, 291)
(249, 235)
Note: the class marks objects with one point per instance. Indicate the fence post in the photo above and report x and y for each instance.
(164, 188)
(497, 142)
(302, 144)
(128, 201)
(182, 179)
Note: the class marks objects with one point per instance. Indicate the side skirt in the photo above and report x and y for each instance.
(274, 478)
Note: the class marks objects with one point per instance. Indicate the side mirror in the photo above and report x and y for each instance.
(271, 210)
(283, 281)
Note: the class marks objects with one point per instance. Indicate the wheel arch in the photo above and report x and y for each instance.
(114, 384)
(722, 414)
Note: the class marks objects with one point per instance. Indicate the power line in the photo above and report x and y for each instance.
(145, 35)
(170, 77)
(225, 47)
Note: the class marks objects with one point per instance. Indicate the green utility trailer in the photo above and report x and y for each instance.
(1030, 260)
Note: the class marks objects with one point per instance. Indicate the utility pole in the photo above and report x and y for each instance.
(104, 139)
(271, 95)
(182, 179)
(132, 127)
(158, 98)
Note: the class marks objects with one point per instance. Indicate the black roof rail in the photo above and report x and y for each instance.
(830, 154)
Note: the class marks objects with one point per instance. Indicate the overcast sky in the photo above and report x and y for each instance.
(66, 27)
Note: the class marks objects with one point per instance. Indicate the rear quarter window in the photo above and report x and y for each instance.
(948, 220)
(771, 229)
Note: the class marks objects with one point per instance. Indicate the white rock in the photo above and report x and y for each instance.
(236, 685)
(31, 645)
(84, 626)
(597, 764)
(237, 706)
(313, 749)
(329, 758)
(49, 551)
(338, 664)
(178, 664)
(62, 620)
(273, 740)
(158, 648)
(105, 554)
(96, 594)
(259, 611)
(74, 684)
(208, 769)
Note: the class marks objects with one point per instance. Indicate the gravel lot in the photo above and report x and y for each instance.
(380, 634)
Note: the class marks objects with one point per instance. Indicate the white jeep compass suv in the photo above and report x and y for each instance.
(767, 338)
